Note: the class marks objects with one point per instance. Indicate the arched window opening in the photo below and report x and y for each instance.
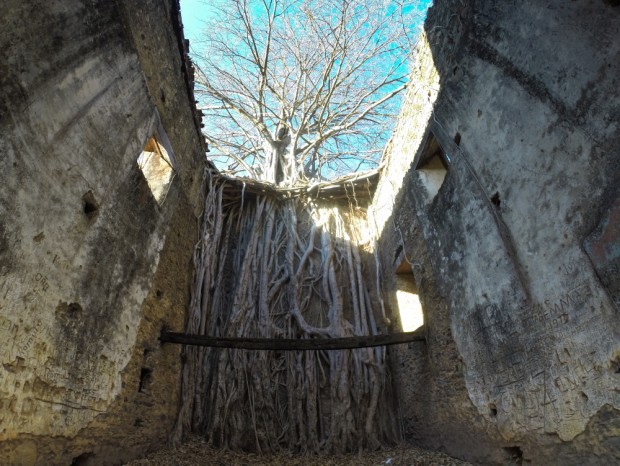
(156, 166)
(409, 306)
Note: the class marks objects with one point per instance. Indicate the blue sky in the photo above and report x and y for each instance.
(195, 12)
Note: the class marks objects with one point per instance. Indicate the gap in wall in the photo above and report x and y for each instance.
(409, 306)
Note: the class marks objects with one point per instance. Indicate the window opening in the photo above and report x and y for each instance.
(409, 306)
(432, 168)
(156, 166)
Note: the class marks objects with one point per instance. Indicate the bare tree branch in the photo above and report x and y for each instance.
(329, 72)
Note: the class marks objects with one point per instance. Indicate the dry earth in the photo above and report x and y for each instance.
(197, 452)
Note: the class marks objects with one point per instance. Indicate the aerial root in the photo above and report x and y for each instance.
(258, 265)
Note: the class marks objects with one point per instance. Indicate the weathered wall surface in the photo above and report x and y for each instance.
(517, 256)
(90, 266)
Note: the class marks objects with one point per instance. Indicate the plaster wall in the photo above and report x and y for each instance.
(516, 257)
(87, 255)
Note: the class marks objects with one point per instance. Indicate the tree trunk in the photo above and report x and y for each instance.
(280, 166)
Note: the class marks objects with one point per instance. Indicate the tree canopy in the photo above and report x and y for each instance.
(296, 90)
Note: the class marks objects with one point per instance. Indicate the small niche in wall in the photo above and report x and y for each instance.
(157, 169)
(145, 379)
(90, 205)
(409, 306)
(432, 167)
(82, 459)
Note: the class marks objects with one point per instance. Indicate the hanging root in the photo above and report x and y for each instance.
(290, 269)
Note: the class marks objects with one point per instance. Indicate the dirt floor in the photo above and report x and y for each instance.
(197, 452)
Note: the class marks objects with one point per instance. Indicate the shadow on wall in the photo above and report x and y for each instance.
(493, 201)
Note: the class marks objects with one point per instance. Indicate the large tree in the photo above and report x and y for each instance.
(295, 90)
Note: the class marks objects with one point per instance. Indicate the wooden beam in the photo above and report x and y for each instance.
(290, 344)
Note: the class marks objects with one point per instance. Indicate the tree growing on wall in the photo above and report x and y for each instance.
(294, 91)
(270, 267)
(297, 90)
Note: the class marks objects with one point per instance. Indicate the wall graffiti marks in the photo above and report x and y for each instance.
(30, 288)
(554, 313)
(8, 287)
(93, 373)
(515, 369)
(567, 383)
(55, 376)
(8, 327)
(42, 281)
(74, 400)
(4, 289)
(30, 339)
(533, 403)
(60, 263)
(538, 392)
(38, 290)
(568, 269)
(548, 399)
(549, 313)
(492, 316)
(575, 296)
(533, 364)
(83, 398)
(8, 333)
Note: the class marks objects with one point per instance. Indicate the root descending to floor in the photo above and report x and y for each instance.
(291, 269)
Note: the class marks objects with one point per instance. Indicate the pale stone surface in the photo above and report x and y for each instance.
(83, 293)
(69, 330)
(517, 254)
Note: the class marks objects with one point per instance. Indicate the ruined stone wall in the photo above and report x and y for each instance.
(517, 256)
(92, 265)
